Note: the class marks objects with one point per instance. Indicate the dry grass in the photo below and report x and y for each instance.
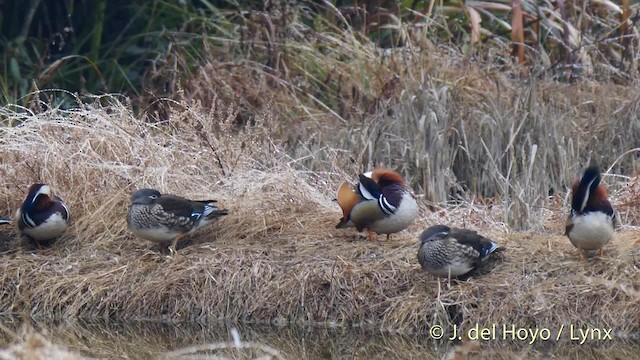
(456, 126)
(276, 258)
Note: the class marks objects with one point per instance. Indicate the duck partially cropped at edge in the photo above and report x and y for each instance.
(166, 218)
(43, 216)
(451, 252)
(380, 203)
(592, 220)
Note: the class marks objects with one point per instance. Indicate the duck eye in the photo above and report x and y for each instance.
(153, 196)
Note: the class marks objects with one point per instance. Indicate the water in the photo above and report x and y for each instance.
(180, 341)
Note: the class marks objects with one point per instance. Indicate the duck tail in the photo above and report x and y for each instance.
(211, 211)
(490, 248)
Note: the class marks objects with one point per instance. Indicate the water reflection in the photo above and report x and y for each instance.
(146, 340)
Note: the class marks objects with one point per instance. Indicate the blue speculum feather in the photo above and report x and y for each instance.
(486, 250)
(196, 215)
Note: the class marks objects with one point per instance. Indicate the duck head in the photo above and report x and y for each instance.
(144, 196)
(435, 232)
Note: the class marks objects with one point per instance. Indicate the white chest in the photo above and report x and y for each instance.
(50, 229)
(400, 220)
(591, 231)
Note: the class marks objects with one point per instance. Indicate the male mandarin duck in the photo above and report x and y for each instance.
(381, 203)
(165, 218)
(451, 252)
(592, 220)
(43, 216)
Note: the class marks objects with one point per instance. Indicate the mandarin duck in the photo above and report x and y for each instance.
(380, 203)
(165, 218)
(451, 252)
(592, 220)
(43, 216)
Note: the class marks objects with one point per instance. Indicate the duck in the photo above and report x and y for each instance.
(379, 203)
(592, 219)
(43, 216)
(166, 218)
(452, 252)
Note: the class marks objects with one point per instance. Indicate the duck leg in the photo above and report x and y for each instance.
(39, 245)
(372, 235)
(601, 252)
(581, 255)
(174, 244)
(164, 248)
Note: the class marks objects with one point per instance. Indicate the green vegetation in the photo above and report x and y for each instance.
(97, 46)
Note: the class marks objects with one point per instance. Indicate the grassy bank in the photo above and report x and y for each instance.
(276, 258)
